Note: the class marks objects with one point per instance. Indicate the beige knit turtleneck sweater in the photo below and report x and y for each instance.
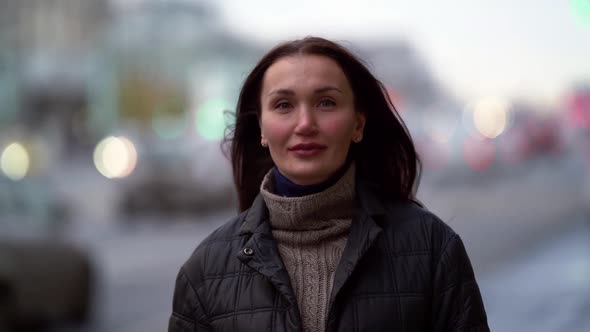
(311, 233)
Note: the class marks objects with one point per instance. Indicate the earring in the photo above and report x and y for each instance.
(357, 138)
(263, 142)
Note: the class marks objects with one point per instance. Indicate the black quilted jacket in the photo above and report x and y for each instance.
(402, 270)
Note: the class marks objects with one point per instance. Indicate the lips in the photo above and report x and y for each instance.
(307, 147)
(307, 150)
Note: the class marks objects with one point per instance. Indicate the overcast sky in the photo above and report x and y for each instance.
(530, 49)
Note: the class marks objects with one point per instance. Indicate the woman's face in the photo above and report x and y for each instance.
(308, 119)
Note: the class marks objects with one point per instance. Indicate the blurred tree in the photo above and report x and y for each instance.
(141, 98)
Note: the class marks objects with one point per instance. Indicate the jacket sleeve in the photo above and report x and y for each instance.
(457, 302)
(188, 314)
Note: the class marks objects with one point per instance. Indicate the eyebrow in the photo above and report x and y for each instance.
(292, 93)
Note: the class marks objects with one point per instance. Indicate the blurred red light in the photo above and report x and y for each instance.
(479, 154)
(579, 110)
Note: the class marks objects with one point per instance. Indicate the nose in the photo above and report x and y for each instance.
(306, 122)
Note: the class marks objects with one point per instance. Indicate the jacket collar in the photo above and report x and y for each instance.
(369, 201)
(256, 215)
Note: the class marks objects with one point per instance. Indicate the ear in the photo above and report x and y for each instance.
(263, 140)
(361, 120)
(260, 127)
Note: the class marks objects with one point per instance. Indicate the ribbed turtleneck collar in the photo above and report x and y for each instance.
(287, 188)
(310, 212)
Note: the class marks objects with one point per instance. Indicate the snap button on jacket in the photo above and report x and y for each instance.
(402, 269)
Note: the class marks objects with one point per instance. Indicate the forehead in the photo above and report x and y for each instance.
(300, 71)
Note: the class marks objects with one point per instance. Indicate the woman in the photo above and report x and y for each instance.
(330, 237)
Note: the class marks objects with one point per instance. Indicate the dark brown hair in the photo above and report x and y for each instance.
(385, 157)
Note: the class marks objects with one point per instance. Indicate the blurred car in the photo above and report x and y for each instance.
(175, 180)
(44, 281)
(531, 136)
(577, 107)
(546, 135)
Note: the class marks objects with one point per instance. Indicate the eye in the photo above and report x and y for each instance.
(283, 106)
(326, 103)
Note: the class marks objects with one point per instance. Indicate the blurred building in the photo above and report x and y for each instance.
(47, 51)
(46, 25)
(79, 70)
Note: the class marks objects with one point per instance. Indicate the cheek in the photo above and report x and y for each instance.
(339, 128)
(274, 131)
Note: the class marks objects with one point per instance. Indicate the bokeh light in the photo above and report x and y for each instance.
(210, 118)
(581, 11)
(578, 106)
(15, 161)
(490, 117)
(115, 157)
(467, 122)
